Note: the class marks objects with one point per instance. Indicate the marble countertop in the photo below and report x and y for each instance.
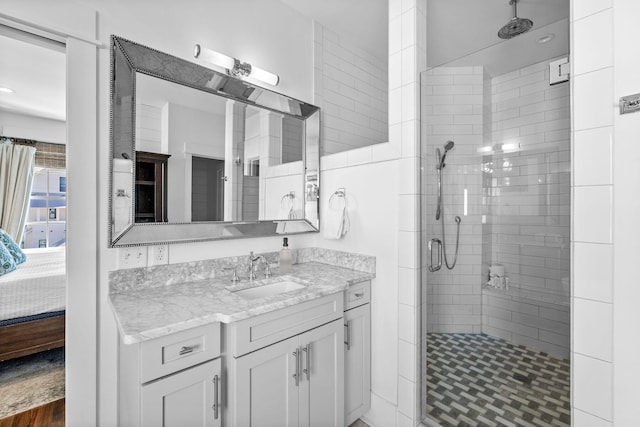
(153, 312)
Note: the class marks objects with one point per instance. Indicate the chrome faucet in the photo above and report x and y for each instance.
(252, 271)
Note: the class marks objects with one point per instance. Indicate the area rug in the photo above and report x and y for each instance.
(31, 381)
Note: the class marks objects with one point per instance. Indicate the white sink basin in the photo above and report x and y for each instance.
(267, 290)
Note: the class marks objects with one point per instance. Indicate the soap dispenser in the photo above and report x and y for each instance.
(286, 257)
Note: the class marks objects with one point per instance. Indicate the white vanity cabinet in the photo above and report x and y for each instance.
(175, 380)
(357, 351)
(296, 375)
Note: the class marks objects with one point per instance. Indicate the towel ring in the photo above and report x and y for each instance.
(289, 204)
(341, 193)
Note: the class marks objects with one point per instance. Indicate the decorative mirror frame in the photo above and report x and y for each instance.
(129, 58)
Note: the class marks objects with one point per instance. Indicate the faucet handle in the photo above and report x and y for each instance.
(267, 269)
(234, 276)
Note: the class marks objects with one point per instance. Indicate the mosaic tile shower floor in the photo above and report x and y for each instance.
(478, 380)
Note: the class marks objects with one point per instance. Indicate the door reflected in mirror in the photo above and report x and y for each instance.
(217, 159)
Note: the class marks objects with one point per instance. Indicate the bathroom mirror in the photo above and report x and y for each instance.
(199, 155)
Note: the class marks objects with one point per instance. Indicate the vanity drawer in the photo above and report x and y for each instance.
(357, 294)
(263, 330)
(163, 356)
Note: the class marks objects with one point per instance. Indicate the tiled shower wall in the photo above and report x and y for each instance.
(453, 108)
(351, 88)
(507, 177)
(527, 176)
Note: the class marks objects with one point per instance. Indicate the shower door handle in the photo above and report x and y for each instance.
(435, 242)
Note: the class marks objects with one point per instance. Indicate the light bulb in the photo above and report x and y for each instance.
(216, 58)
(264, 76)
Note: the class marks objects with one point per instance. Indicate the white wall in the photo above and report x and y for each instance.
(149, 129)
(592, 242)
(605, 210)
(351, 88)
(626, 208)
(407, 56)
(190, 132)
(32, 127)
(280, 180)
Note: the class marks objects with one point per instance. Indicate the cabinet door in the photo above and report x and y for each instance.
(322, 380)
(357, 362)
(266, 390)
(186, 398)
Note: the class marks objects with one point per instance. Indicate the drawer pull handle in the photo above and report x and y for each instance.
(307, 370)
(216, 405)
(185, 350)
(297, 374)
(359, 294)
(348, 335)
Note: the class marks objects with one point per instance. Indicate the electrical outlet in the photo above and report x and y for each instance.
(158, 255)
(132, 257)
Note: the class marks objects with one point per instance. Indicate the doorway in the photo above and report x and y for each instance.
(207, 189)
(33, 116)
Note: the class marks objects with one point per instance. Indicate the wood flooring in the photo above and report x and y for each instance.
(49, 415)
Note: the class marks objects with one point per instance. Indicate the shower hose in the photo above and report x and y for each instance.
(458, 220)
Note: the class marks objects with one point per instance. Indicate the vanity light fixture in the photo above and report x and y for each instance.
(234, 66)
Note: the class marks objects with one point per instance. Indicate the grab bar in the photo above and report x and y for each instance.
(431, 244)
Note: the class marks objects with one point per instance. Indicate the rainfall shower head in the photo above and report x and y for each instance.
(516, 26)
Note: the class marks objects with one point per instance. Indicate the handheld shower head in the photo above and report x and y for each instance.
(448, 146)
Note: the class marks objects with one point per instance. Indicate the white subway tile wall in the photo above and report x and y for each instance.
(351, 89)
(527, 184)
(508, 178)
(453, 109)
(292, 134)
(543, 325)
(593, 196)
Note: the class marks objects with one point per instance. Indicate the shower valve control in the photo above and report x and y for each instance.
(559, 71)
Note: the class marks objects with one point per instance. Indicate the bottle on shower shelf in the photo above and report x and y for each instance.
(497, 277)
